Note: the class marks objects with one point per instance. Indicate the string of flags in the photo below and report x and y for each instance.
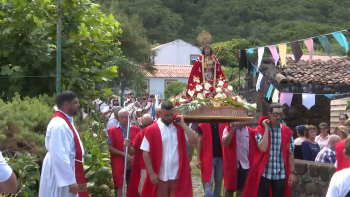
(308, 99)
(296, 48)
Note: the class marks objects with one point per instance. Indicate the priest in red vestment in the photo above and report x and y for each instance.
(238, 141)
(203, 69)
(116, 137)
(165, 156)
(138, 173)
(209, 157)
(273, 165)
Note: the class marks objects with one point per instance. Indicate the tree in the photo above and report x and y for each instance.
(174, 89)
(28, 47)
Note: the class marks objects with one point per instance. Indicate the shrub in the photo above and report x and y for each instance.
(23, 124)
(174, 89)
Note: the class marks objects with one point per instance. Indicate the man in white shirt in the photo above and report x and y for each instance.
(63, 173)
(8, 181)
(165, 156)
(113, 121)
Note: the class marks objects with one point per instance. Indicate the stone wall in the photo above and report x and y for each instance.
(312, 179)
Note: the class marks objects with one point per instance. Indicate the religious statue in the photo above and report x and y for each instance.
(206, 69)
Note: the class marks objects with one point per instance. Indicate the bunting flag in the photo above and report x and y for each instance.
(274, 53)
(250, 67)
(309, 43)
(286, 98)
(260, 55)
(326, 45)
(255, 71)
(330, 95)
(250, 51)
(258, 83)
(275, 96)
(296, 51)
(308, 100)
(269, 92)
(243, 60)
(283, 51)
(339, 36)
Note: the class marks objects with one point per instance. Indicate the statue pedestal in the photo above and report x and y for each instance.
(223, 114)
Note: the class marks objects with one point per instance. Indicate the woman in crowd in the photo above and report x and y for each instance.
(343, 118)
(340, 183)
(309, 147)
(323, 138)
(298, 141)
(341, 131)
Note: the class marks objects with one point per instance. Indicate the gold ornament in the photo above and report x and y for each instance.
(216, 102)
(196, 79)
(204, 38)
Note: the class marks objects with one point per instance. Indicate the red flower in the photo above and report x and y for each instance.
(187, 101)
(210, 81)
(177, 103)
(225, 85)
(214, 95)
(195, 94)
(207, 95)
(202, 90)
(183, 96)
(227, 94)
(211, 89)
(235, 99)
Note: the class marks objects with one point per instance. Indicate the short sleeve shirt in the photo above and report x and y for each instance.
(5, 169)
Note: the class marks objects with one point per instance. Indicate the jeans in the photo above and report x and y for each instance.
(216, 176)
(277, 187)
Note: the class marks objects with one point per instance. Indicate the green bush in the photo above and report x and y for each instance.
(174, 89)
(23, 124)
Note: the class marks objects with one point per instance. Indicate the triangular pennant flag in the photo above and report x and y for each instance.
(250, 67)
(296, 50)
(243, 60)
(250, 51)
(309, 43)
(282, 48)
(286, 98)
(342, 40)
(258, 83)
(269, 92)
(309, 100)
(330, 95)
(326, 45)
(274, 53)
(275, 96)
(260, 55)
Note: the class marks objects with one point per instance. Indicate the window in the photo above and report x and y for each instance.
(168, 81)
(146, 84)
(193, 59)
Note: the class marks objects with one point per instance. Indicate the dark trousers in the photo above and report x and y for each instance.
(277, 187)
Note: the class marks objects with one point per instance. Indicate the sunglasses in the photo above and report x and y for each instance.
(275, 114)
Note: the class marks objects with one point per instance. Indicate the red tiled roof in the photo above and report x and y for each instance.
(305, 57)
(170, 71)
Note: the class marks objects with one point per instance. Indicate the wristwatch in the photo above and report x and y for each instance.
(293, 172)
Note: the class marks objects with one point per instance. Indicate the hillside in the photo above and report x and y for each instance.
(270, 21)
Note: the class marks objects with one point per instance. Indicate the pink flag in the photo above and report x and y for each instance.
(286, 98)
(309, 43)
(274, 53)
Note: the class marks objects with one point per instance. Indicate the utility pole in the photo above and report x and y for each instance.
(58, 48)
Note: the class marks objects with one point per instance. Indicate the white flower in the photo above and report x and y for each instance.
(195, 101)
(190, 92)
(223, 96)
(207, 86)
(230, 88)
(205, 92)
(182, 100)
(218, 90)
(253, 105)
(200, 96)
(221, 83)
(94, 135)
(239, 99)
(199, 88)
(219, 95)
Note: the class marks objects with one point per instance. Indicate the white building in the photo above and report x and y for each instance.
(173, 62)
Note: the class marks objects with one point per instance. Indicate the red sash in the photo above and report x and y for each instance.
(79, 168)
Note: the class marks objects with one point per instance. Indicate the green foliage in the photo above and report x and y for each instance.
(173, 89)
(28, 173)
(23, 124)
(232, 76)
(28, 46)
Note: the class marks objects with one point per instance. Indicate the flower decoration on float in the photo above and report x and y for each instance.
(206, 94)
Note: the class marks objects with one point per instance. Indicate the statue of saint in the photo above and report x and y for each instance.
(207, 67)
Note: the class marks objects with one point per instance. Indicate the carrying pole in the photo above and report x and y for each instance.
(126, 157)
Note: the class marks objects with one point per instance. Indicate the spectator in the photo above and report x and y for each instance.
(8, 181)
(309, 147)
(297, 142)
(113, 121)
(327, 154)
(343, 118)
(340, 183)
(341, 131)
(322, 139)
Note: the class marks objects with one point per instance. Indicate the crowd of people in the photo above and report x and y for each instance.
(250, 162)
